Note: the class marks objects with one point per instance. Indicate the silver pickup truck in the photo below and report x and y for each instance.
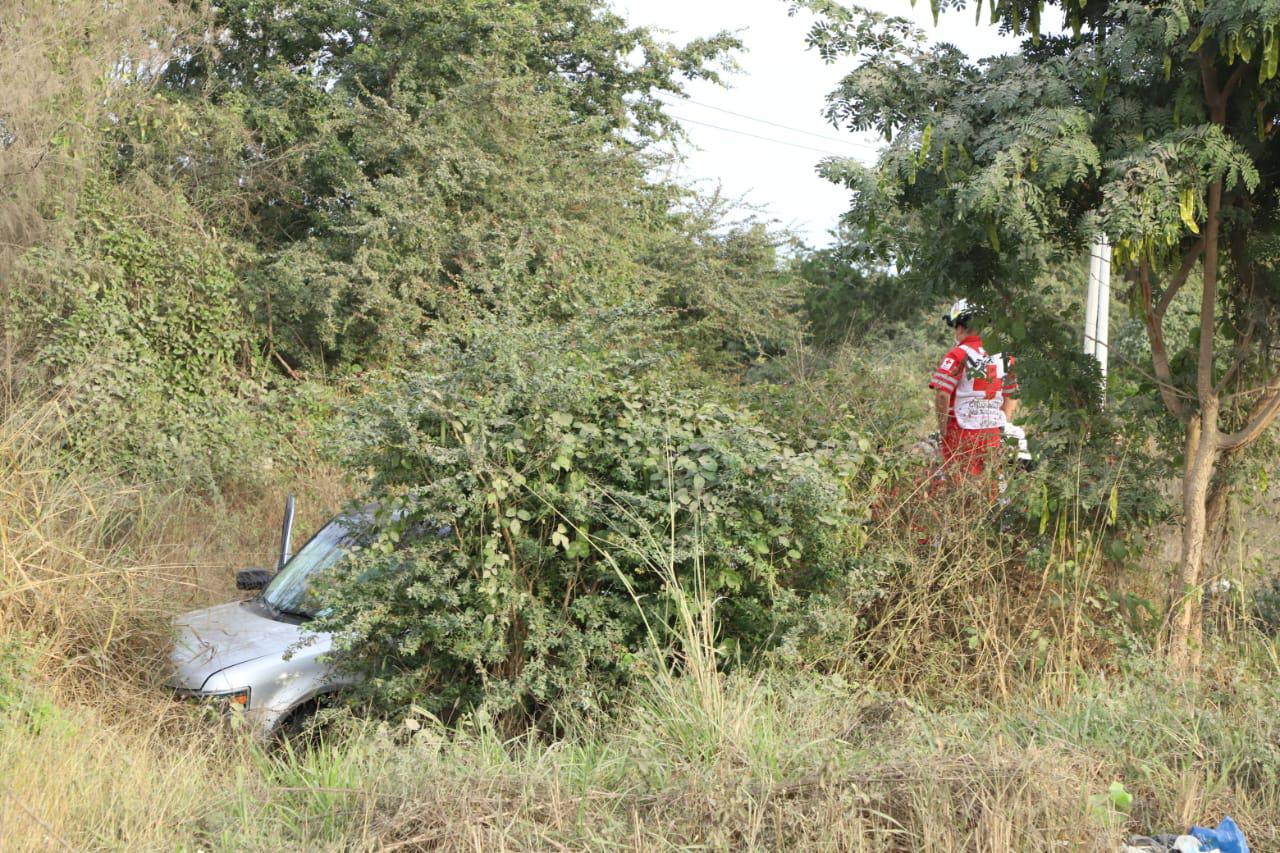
(255, 654)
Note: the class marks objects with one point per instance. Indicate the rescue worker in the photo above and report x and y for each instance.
(975, 396)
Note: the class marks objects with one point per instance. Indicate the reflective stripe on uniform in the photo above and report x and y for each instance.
(943, 382)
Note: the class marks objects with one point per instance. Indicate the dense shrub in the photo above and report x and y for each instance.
(141, 332)
(136, 331)
(543, 496)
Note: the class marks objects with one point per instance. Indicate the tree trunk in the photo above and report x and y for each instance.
(1185, 594)
(1217, 519)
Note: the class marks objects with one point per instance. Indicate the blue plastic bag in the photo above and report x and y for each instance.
(1227, 838)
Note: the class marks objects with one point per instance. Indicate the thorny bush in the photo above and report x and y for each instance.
(538, 504)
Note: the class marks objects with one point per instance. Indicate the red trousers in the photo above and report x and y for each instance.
(968, 451)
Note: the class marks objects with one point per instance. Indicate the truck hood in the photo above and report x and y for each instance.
(215, 638)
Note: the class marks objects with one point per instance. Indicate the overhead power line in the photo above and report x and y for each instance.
(829, 153)
(821, 136)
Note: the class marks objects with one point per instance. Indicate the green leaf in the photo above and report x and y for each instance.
(1121, 799)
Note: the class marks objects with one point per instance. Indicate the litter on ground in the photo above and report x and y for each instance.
(1226, 838)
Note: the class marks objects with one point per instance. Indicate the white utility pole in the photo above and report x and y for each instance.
(1097, 305)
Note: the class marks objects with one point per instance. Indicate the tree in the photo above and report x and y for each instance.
(67, 67)
(1154, 123)
(408, 162)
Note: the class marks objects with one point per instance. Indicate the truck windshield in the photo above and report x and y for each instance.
(290, 590)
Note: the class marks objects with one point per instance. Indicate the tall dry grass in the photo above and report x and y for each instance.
(93, 749)
(78, 574)
(950, 571)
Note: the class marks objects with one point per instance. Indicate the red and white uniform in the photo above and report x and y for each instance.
(978, 384)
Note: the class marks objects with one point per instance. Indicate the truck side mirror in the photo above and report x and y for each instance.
(286, 533)
(253, 578)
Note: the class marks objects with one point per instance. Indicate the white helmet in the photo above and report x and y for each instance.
(962, 313)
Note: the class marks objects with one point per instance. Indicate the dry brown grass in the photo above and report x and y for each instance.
(994, 618)
(995, 803)
(79, 578)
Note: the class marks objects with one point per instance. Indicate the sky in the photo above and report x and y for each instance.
(778, 94)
